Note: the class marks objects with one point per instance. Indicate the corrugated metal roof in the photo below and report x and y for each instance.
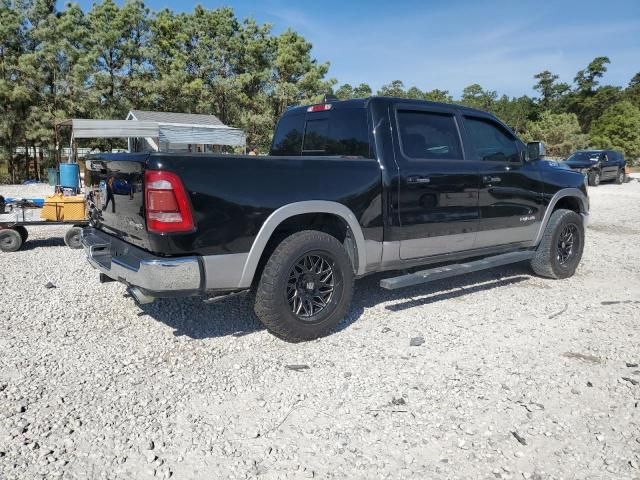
(221, 135)
(177, 131)
(85, 128)
(179, 118)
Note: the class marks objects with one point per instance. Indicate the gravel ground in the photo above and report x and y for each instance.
(518, 376)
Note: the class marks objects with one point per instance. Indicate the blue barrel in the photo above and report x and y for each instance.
(52, 176)
(70, 175)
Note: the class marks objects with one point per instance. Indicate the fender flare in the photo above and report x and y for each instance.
(300, 208)
(565, 192)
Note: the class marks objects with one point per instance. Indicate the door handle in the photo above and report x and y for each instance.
(487, 179)
(418, 180)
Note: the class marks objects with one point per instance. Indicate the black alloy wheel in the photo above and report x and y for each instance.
(560, 250)
(567, 240)
(311, 285)
(306, 286)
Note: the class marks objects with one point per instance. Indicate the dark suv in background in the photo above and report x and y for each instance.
(598, 165)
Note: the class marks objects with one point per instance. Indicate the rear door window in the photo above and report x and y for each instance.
(287, 140)
(429, 135)
(316, 136)
(341, 132)
(491, 141)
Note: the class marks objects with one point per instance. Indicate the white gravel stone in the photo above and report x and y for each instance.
(94, 380)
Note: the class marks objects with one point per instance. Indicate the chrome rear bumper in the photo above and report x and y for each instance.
(157, 276)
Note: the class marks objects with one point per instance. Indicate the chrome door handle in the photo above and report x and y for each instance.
(489, 179)
(415, 179)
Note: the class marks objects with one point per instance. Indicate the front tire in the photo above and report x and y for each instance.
(594, 179)
(561, 247)
(306, 287)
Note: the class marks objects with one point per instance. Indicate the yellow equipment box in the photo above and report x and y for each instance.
(75, 208)
(58, 208)
(53, 208)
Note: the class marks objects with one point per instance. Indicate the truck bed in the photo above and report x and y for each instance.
(230, 195)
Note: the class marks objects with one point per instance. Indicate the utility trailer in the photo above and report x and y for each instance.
(17, 215)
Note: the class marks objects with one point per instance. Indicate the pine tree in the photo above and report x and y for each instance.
(560, 133)
(476, 97)
(298, 78)
(109, 49)
(618, 128)
(14, 98)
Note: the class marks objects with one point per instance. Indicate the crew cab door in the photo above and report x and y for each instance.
(510, 193)
(437, 197)
(609, 162)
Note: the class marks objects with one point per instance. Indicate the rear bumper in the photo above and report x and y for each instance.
(157, 276)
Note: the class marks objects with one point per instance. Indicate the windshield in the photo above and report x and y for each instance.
(582, 156)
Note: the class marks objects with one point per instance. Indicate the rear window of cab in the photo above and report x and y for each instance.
(338, 133)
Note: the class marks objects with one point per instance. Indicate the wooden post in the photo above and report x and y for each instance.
(35, 162)
(38, 167)
(10, 162)
(26, 159)
(56, 149)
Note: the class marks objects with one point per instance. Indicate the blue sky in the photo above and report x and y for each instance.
(450, 44)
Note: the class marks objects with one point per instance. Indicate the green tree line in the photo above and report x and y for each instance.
(69, 63)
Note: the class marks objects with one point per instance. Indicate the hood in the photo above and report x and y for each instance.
(580, 163)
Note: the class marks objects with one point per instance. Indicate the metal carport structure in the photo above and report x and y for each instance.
(160, 130)
(182, 129)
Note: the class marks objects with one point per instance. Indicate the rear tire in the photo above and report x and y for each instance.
(594, 179)
(72, 238)
(620, 177)
(306, 287)
(561, 247)
(10, 240)
(23, 232)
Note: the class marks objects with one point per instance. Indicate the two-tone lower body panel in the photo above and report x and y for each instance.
(160, 276)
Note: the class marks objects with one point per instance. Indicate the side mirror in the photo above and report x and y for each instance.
(535, 151)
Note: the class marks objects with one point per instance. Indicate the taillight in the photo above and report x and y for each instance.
(319, 108)
(167, 203)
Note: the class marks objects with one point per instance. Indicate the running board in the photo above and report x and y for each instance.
(455, 269)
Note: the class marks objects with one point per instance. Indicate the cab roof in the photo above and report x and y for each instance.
(364, 103)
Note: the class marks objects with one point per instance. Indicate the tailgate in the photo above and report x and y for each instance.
(115, 183)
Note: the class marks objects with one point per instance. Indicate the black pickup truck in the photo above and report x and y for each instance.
(350, 188)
